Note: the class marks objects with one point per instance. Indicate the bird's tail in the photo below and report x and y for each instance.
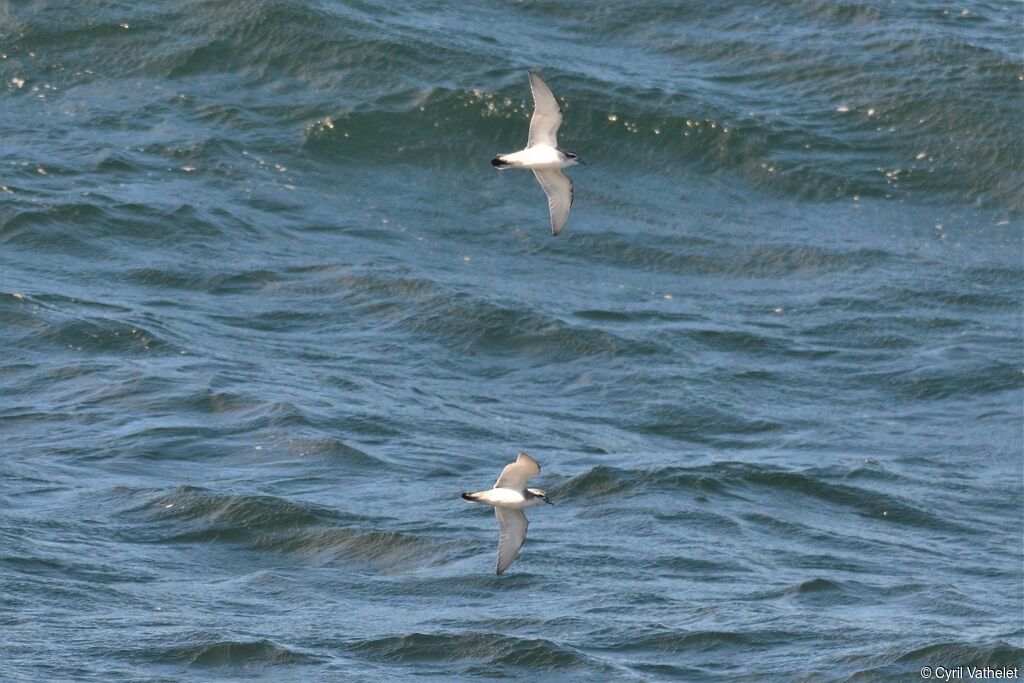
(498, 162)
(469, 496)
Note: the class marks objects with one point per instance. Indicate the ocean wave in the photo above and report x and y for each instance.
(191, 514)
(58, 226)
(206, 512)
(823, 592)
(697, 641)
(968, 654)
(685, 255)
(243, 239)
(951, 654)
(478, 325)
(494, 649)
(220, 282)
(947, 381)
(979, 289)
(746, 481)
(704, 423)
(204, 651)
(932, 114)
(603, 481)
(83, 325)
(816, 162)
(597, 482)
(390, 551)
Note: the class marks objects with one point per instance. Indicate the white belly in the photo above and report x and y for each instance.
(537, 157)
(502, 498)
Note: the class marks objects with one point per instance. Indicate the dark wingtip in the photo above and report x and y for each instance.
(497, 162)
(467, 496)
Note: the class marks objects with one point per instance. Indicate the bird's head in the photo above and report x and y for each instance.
(573, 158)
(539, 493)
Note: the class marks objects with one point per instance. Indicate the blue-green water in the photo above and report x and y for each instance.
(265, 310)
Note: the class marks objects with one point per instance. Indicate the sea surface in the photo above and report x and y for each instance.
(266, 310)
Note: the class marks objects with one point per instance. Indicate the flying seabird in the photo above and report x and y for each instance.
(543, 156)
(509, 497)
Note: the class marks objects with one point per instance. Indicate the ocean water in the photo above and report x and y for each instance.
(265, 311)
